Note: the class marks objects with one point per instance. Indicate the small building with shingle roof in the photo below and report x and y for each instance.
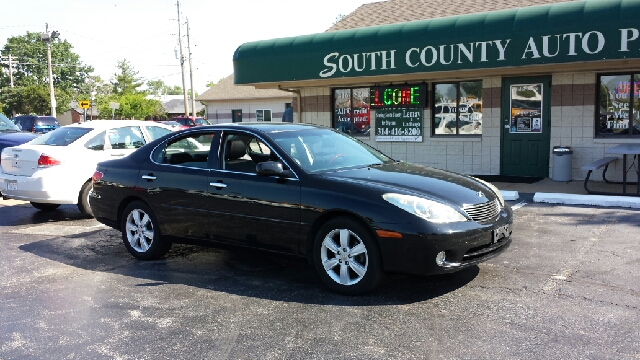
(226, 102)
(485, 87)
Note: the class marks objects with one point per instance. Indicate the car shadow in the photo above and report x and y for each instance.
(25, 214)
(235, 271)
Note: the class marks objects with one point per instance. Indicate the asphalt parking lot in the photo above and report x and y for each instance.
(567, 288)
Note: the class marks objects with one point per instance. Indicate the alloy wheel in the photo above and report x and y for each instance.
(344, 257)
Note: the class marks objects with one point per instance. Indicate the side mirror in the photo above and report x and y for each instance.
(270, 168)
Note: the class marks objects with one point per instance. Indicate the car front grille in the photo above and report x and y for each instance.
(483, 213)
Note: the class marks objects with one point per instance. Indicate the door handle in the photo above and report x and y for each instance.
(148, 177)
(218, 185)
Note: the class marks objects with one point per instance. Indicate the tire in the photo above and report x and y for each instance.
(354, 271)
(45, 206)
(83, 199)
(141, 232)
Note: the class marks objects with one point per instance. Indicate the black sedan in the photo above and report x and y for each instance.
(304, 190)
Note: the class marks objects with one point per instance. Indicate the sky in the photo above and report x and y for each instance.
(145, 32)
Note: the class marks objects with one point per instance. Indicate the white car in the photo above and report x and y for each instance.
(56, 168)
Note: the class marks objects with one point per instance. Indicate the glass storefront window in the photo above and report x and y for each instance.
(352, 111)
(616, 103)
(457, 108)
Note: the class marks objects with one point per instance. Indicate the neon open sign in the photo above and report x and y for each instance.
(398, 96)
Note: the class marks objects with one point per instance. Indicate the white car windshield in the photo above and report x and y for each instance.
(317, 150)
(61, 137)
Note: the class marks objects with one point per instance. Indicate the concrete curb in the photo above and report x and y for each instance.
(509, 195)
(596, 200)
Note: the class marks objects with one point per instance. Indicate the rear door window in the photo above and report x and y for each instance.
(190, 150)
(128, 137)
(156, 132)
(97, 142)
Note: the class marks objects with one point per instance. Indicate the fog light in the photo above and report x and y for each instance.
(440, 258)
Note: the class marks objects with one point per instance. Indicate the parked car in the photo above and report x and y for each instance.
(11, 135)
(55, 168)
(36, 124)
(174, 124)
(299, 189)
(191, 121)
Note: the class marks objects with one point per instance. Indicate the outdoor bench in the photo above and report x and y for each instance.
(597, 165)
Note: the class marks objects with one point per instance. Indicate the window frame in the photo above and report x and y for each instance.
(433, 106)
(632, 99)
(263, 116)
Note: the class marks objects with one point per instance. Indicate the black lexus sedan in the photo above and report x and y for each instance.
(304, 190)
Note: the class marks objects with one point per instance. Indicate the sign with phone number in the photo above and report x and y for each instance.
(397, 124)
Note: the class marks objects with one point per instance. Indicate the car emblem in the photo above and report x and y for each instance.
(480, 194)
(15, 156)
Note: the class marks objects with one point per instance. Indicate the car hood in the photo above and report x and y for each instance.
(420, 180)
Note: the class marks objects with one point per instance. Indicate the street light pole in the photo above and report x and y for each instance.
(47, 38)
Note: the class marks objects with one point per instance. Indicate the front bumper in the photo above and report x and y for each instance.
(463, 244)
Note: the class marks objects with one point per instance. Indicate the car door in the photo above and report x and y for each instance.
(248, 209)
(174, 181)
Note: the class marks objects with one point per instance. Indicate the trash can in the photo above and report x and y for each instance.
(562, 163)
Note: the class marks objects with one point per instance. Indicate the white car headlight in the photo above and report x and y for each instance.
(495, 190)
(427, 209)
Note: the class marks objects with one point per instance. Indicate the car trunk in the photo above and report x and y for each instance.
(23, 160)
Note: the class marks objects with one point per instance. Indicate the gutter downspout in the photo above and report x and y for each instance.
(299, 102)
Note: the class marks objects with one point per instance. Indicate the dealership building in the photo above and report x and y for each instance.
(486, 93)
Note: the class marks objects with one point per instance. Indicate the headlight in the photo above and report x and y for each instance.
(494, 189)
(427, 209)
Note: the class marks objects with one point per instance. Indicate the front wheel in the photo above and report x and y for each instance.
(346, 257)
(44, 206)
(141, 232)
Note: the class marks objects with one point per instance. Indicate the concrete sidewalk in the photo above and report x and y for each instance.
(572, 192)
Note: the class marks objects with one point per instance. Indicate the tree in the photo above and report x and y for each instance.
(210, 84)
(339, 18)
(32, 99)
(29, 56)
(126, 80)
(132, 106)
(156, 87)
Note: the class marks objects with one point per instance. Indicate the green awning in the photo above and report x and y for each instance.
(581, 31)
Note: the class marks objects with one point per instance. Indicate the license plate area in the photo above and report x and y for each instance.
(500, 233)
(12, 185)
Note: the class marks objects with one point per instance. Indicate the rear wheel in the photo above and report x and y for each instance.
(44, 206)
(83, 199)
(346, 257)
(141, 232)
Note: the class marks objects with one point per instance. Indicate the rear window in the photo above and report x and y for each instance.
(47, 120)
(61, 136)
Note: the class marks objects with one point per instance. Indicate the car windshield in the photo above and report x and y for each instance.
(61, 136)
(317, 150)
(7, 125)
(202, 122)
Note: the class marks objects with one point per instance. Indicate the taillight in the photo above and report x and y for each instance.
(46, 160)
(97, 176)
(33, 128)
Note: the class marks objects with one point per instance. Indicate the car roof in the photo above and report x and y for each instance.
(106, 124)
(266, 127)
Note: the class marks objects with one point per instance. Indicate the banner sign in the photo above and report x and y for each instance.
(399, 124)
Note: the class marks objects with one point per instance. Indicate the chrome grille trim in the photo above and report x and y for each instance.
(483, 213)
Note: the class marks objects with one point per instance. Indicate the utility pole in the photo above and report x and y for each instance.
(184, 87)
(48, 38)
(193, 97)
(10, 72)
